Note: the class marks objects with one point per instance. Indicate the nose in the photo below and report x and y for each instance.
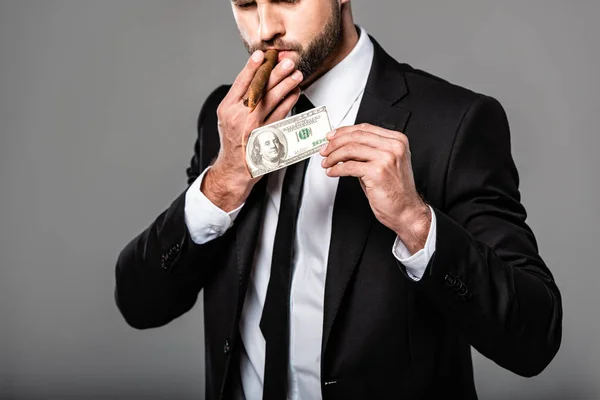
(271, 24)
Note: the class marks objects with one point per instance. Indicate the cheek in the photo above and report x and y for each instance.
(314, 18)
(244, 25)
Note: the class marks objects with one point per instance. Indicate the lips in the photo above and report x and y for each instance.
(283, 54)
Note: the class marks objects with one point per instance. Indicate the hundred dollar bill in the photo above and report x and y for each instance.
(286, 142)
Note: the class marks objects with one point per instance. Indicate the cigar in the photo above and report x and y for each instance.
(256, 91)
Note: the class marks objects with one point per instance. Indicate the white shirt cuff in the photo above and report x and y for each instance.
(416, 264)
(204, 220)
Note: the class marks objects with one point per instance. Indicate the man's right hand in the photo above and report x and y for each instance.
(228, 182)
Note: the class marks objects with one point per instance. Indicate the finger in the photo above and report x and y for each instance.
(359, 137)
(274, 96)
(370, 128)
(353, 152)
(281, 70)
(244, 78)
(283, 108)
(349, 168)
(380, 131)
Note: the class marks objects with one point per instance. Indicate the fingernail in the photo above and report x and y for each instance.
(287, 63)
(328, 169)
(297, 75)
(323, 162)
(331, 134)
(324, 148)
(256, 56)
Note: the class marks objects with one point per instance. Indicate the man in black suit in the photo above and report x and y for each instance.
(369, 271)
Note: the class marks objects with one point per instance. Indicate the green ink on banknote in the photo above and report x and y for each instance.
(304, 133)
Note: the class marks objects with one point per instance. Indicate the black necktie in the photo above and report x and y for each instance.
(274, 322)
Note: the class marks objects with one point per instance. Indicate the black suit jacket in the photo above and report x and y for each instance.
(384, 335)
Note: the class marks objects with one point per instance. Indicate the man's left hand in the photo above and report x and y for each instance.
(380, 158)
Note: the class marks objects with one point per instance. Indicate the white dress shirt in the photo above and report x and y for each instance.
(341, 90)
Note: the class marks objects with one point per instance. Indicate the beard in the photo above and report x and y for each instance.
(311, 57)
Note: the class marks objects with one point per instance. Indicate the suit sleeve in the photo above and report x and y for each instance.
(486, 275)
(160, 272)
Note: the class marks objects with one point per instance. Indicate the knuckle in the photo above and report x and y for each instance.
(388, 158)
(352, 148)
(379, 171)
(242, 81)
(339, 131)
(356, 133)
(332, 146)
(404, 139)
(403, 151)
(273, 96)
(242, 78)
(345, 131)
(398, 147)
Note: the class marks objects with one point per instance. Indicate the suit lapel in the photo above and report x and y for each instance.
(353, 218)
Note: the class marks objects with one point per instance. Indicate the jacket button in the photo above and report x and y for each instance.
(449, 280)
(457, 285)
(227, 347)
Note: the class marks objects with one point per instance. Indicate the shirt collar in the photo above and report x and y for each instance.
(341, 86)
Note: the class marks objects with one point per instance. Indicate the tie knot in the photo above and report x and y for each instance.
(302, 105)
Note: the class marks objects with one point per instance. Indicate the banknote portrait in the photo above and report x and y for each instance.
(268, 149)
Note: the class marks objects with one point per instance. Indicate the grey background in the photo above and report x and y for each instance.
(98, 106)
